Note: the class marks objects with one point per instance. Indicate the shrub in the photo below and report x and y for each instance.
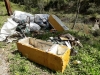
(97, 32)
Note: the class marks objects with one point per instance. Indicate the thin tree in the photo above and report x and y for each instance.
(78, 8)
(41, 6)
(7, 4)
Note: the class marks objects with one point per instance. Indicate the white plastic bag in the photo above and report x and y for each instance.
(34, 27)
(8, 29)
(19, 15)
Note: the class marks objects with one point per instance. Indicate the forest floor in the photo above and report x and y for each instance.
(4, 68)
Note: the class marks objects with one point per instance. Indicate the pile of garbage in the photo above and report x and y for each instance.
(57, 45)
(68, 40)
(22, 24)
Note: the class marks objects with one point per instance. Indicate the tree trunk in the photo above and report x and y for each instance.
(7, 4)
(78, 8)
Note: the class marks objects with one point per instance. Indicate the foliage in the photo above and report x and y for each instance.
(69, 6)
(96, 33)
(92, 8)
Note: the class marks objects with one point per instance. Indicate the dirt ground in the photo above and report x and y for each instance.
(3, 62)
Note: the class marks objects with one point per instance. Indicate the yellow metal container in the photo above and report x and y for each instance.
(52, 61)
(57, 23)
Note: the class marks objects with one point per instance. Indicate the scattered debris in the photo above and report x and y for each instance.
(26, 23)
(73, 41)
(61, 49)
(9, 39)
(76, 62)
(8, 29)
(73, 52)
(66, 39)
(22, 24)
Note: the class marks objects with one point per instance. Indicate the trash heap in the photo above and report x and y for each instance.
(22, 24)
(58, 42)
(67, 40)
(58, 48)
(53, 53)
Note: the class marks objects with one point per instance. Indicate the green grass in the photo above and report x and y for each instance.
(89, 55)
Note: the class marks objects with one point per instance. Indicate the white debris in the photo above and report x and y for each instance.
(8, 29)
(19, 15)
(53, 49)
(34, 27)
(68, 44)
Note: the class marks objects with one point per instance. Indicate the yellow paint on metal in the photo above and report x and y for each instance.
(52, 61)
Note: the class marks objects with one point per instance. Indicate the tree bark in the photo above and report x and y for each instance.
(78, 8)
(7, 4)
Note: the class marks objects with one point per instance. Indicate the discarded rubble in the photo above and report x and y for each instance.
(66, 39)
(24, 25)
(76, 62)
(56, 47)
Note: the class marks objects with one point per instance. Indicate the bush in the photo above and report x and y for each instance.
(97, 32)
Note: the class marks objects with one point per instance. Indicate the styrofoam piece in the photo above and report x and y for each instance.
(53, 49)
(68, 44)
